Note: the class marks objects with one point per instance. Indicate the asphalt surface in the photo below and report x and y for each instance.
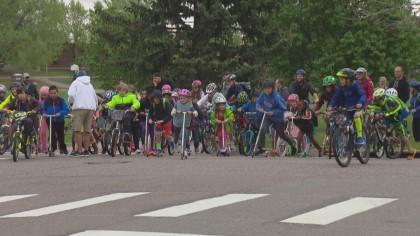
(294, 186)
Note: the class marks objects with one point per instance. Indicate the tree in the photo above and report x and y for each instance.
(32, 32)
(76, 27)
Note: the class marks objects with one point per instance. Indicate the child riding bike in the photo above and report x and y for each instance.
(395, 112)
(349, 95)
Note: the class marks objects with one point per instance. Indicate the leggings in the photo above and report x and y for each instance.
(278, 126)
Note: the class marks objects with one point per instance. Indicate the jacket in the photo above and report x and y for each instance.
(52, 107)
(272, 103)
(228, 117)
(348, 96)
(124, 102)
(367, 87)
(161, 111)
(6, 101)
(403, 89)
(302, 89)
(393, 107)
(82, 94)
(415, 104)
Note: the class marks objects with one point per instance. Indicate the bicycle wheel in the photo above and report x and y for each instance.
(127, 141)
(15, 146)
(363, 151)
(114, 144)
(4, 140)
(120, 145)
(377, 143)
(306, 145)
(28, 148)
(209, 142)
(341, 148)
(394, 145)
(171, 147)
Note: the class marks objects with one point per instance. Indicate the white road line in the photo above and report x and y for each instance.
(15, 197)
(73, 205)
(129, 233)
(339, 211)
(202, 205)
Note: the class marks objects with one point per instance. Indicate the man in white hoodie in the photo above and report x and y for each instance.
(83, 98)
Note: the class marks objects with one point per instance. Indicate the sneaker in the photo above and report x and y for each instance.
(138, 151)
(75, 153)
(259, 151)
(412, 156)
(84, 154)
(360, 141)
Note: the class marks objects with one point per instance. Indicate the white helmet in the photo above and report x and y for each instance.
(211, 88)
(219, 99)
(3, 88)
(391, 92)
(74, 67)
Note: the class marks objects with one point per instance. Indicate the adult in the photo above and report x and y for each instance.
(29, 86)
(383, 82)
(225, 83)
(365, 83)
(302, 87)
(208, 101)
(158, 82)
(234, 89)
(281, 89)
(401, 84)
(83, 97)
(77, 71)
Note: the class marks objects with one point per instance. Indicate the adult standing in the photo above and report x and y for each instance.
(77, 71)
(302, 87)
(383, 82)
(83, 97)
(401, 84)
(158, 82)
(225, 83)
(29, 86)
(281, 89)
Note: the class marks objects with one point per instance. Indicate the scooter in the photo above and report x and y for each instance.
(50, 151)
(225, 150)
(183, 154)
(146, 135)
(259, 134)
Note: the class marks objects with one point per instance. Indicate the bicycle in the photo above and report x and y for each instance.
(17, 141)
(209, 138)
(377, 133)
(247, 136)
(4, 133)
(393, 140)
(116, 139)
(165, 144)
(344, 139)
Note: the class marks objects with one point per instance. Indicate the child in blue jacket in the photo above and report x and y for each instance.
(55, 105)
(274, 106)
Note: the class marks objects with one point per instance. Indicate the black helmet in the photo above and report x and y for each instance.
(157, 94)
(347, 73)
(269, 83)
(255, 94)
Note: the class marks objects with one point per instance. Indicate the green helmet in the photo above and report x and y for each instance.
(242, 98)
(328, 80)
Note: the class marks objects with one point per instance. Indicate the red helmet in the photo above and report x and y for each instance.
(166, 89)
(293, 97)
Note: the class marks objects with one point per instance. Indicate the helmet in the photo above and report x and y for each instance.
(415, 84)
(300, 72)
(174, 94)
(211, 88)
(380, 92)
(44, 90)
(184, 93)
(361, 70)
(166, 89)
(269, 84)
(346, 73)
(328, 80)
(255, 94)
(391, 92)
(108, 95)
(196, 83)
(74, 67)
(157, 94)
(220, 99)
(242, 98)
(26, 75)
(3, 88)
(293, 97)
(232, 77)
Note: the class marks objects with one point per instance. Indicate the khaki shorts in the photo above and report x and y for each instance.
(82, 120)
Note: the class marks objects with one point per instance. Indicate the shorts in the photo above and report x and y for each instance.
(82, 120)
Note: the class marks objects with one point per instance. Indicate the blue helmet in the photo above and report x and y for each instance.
(415, 85)
(300, 72)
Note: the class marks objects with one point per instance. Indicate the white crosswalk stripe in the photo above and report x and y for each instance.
(129, 233)
(202, 205)
(73, 205)
(15, 197)
(339, 211)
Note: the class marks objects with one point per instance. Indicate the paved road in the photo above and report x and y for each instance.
(207, 195)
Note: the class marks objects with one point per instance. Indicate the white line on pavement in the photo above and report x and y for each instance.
(73, 205)
(202, 205)
(129, 233)
(15, 197)
(338, 211)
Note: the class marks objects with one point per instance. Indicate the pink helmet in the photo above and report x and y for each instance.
(44, 90)
(196, 83)
(166, 89)
(184, 93)
(293, 97)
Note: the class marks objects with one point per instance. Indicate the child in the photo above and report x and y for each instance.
(222, 114)
(160, 114)
(292, 102)
(146, 103)
(183, 105)
(167, 94)
(43, 127)
(250, 106)
(55, 105)
(415, 109)
(304, 121)
(197, 92)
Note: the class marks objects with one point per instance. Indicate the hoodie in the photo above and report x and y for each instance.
(348, 96)
(272, 103)
(82, 94)
(59, 105)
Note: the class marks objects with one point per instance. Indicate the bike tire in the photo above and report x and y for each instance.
(114, 145)
(391, 151)
(108, 142)
(28, 149)
(363, 152)
(341, 148)
(4, 141)
(171, 147)
(209, 145)
(15, 147)
(127, 141)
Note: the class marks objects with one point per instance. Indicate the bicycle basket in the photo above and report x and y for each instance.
(117, 115)
(19, 115)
